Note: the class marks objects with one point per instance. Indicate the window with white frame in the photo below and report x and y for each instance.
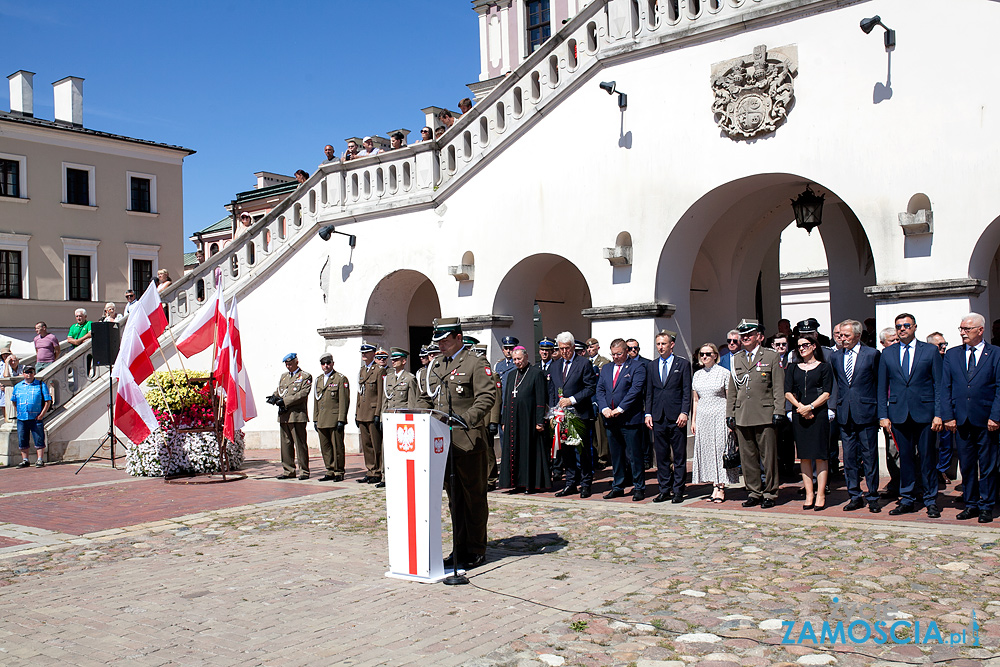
(140, 192)
(143, 263)
(13, 176)
(80, 269)
(79, 185)
(14, 266)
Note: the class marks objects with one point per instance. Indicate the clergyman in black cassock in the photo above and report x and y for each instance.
(524, 463)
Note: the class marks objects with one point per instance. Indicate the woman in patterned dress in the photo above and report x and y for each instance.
(708, 423)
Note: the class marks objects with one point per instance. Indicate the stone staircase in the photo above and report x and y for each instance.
(421, 175)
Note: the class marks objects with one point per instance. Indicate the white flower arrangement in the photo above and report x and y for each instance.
(170, 452)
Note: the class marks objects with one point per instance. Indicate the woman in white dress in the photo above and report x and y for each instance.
(708, 423)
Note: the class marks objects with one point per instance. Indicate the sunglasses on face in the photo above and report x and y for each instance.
(733, 341)
(706, 354)
(803, 346)
(632, 349)
(904, 325)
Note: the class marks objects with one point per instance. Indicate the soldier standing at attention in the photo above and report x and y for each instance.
(427, 354)
(367, 414)
(462, 385)
(331, 399)
(292, 397)
(401, 390)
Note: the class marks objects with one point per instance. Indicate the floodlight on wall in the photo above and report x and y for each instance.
(610, 87)
(867, 25)
(329, 230)
(808, 208)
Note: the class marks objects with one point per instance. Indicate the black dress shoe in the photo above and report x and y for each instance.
(874, 508)
(660, 497)
(474, 561)
(585, 492)
(449, 560)
(380, 485)
(363, 480)
(338, 477)
(933, 512)
(285, 477)
(902, 508)
(638, 495)
(968, 513)
(678, 498)
(751, 502)
(855, 504)
(328, 478)
(767, 503)
(614, 493)
(986, 516)
(565, 492)
(374, 480)
(304, 475)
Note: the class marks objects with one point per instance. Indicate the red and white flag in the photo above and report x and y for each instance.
(208, 327)
(133, 416)
(149, 320)
(240, 406)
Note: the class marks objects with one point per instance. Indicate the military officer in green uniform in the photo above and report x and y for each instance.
(462, 384)
(755, 405)
(331, 399)
(292, 399)
(492, 425)
(427, 355)
(401, 391)
(367, 414)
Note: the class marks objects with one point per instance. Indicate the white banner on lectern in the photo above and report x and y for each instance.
(415, 451)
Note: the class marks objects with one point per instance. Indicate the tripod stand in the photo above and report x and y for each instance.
(110, 437)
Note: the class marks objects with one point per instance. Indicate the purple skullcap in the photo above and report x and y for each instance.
(520, 347)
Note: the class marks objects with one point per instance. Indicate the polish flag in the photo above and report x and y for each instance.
(148, 318)
(208, 327)
(133, 416)
(240, 406)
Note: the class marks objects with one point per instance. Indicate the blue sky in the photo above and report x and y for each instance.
(252, 86)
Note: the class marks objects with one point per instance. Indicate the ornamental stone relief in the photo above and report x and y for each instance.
(753, 93)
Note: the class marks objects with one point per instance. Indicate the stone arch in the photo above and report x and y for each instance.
(984, 264)
(719, 262)
(545, 295)
(404, 303)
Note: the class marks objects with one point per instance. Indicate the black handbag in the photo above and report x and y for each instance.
(731, 459)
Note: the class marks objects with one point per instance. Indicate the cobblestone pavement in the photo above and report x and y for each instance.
(300, 580)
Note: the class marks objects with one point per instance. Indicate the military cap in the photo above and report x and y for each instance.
(398, 353)
(433, 349)
(480, 348)
(470, 340)
(367, 347)
(667, 332)
(444, 326)
(326, 358)
(423, 350)
(509, 341)
(748, 326)
(547, 342)
(807, 325)
(579, 345)
(381, 352)
(289, 357)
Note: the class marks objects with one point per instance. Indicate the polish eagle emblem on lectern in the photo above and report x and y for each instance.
(753, 93)
(406, 437)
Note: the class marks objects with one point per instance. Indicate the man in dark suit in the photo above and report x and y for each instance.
(632, 347)
(855, 369)
(970, 408)
(668, 402)
(571, 384)
(909, 403)
(732, 348)
(620, 392)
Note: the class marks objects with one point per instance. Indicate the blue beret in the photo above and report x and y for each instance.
(289, 357)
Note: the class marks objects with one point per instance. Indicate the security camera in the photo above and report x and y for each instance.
(609, 86)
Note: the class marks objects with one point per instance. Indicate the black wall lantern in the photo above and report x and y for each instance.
(808, 208)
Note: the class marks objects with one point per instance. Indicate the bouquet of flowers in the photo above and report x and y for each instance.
(567, 427)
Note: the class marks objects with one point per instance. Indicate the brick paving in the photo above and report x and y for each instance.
(297, 577)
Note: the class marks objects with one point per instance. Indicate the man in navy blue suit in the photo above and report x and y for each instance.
(732, 347)
(909, 403)
(855, 369)
(970, 407)
(571, 383)
(620, 392)
(668, 402)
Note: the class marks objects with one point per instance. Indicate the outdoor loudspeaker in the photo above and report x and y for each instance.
(105, 338)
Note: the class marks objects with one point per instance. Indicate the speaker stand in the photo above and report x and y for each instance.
(109, 437)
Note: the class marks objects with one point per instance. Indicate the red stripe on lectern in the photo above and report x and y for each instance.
(411, 513)
(409, 417)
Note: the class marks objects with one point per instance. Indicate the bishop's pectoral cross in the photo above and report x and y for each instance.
(513, 394)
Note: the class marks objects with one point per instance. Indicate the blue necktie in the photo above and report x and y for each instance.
(906, 361)
(972, 361)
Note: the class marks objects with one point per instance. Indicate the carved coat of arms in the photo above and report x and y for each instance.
(753, 93)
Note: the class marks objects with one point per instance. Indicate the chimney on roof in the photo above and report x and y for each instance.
(22, 93)
(69, 100)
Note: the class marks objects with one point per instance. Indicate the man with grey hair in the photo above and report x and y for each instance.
(80, 331)
(970, 407)
(887, 337)
(855, 370)
(732, 347)
(572, 384)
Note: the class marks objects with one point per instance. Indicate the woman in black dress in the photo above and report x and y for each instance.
(807, 387)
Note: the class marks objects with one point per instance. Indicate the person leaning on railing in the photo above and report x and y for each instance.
(46, 346)
(80, 331)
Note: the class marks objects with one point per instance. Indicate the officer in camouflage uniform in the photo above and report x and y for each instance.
(368, 414)
(292, 399)
(463, 383)
(331, 399)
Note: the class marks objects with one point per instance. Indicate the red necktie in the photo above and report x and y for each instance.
(614, 380)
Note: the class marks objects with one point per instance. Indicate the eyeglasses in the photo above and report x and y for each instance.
(968, 329)
(777, 344)
(706, 354)
(905, 325)
(942, 346)
(26, 372)
(632, 349)
(733, 341)
(803, 346)
(326, 363)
